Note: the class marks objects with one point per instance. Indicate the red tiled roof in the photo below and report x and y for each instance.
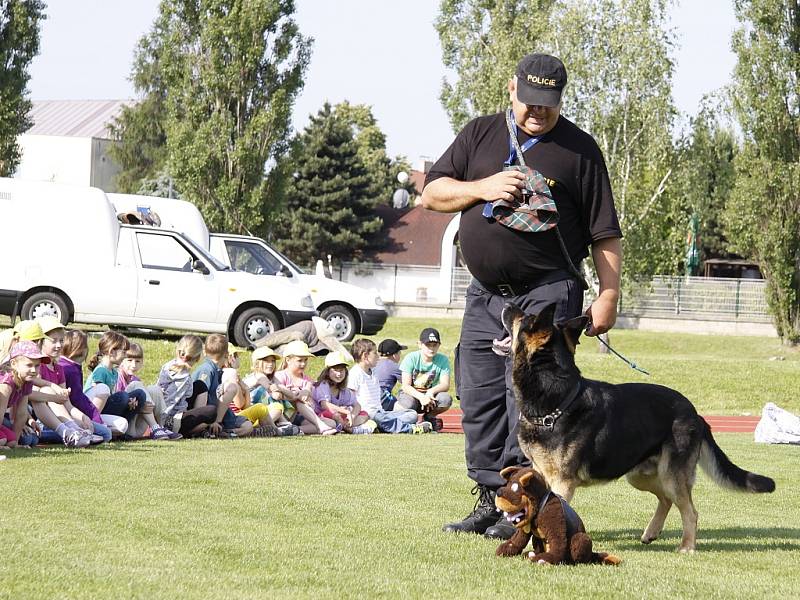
(414, 235)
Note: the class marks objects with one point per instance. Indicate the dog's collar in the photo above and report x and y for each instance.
(549, 420)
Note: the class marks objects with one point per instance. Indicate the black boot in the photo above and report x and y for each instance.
(483, 516)
(501, 530)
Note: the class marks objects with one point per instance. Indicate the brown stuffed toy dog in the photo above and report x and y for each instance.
(557, 531)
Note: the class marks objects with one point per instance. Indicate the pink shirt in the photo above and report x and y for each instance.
(53, 373)
(16, 393)
(285, 379)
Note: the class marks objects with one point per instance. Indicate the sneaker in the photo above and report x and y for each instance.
(95, 439)
(364, 429)
(161, 434)
(424, 427)
(289, 429)
(75, 438)
(265, 431)
(227, 434)
(483, 516)
(436, 423)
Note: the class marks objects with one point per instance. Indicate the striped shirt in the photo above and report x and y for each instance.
(367, 389)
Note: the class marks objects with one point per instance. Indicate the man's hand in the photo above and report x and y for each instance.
(602, 314)
(505, 185)
(215, 428)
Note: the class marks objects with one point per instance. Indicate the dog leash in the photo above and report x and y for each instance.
(631, 364)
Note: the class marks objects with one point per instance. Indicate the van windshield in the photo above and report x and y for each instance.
(218, 266)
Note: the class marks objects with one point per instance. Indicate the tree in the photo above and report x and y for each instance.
(763, 214)
(371, 146)
(329, 202)
(19, 43)
(218, 80)
(705, 168)
(619, 90)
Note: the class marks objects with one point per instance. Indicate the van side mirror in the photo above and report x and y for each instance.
(286, 271)
(199, 265)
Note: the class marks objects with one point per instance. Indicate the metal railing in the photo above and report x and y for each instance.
(710, 298)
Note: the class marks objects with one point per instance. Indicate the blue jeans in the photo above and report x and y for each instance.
(396, 421)
(117, 403)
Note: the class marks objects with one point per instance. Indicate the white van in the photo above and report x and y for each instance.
(349, 309)
(67, 255)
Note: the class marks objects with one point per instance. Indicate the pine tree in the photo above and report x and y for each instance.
(329, 205)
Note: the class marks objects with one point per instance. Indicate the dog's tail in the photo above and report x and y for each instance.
(720, 468)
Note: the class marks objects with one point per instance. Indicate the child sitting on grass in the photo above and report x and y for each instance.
(333, 400)
(295, 386)
(426, 379)
(240, 402)
(209, 372)
(74, 351)
(264, 390)
(126, 403)
(186, 408)
(16, 389)
(363, 382)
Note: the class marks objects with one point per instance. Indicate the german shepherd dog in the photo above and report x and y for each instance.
(579, 432)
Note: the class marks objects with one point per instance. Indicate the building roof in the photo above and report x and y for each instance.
(414, 235)
(75, 118)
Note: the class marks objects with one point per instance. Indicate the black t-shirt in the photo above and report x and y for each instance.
(575, 171)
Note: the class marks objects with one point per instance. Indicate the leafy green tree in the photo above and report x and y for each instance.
(620, 73)
(763, 214)
(705, 169)
(328, 200)
(218, 80)
(482, 42)
(19, 43)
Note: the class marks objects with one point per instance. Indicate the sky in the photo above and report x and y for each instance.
(383, 53)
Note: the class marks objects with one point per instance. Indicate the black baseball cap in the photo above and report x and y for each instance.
(390, 346)
(540, 80)
(429, 334)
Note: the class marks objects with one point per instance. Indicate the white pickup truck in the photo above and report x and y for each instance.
(67, 255)
(349, 309)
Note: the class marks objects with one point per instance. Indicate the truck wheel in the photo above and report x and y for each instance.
(342, 320)
(253, 324)
(45, 304)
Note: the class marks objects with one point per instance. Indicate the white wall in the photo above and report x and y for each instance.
(59, 159)
(401, 284)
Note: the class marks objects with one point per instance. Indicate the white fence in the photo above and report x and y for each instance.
(666, 297)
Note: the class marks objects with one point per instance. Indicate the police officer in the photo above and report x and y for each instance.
(532, 269)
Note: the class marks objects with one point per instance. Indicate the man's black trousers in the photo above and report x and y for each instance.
(483, 379)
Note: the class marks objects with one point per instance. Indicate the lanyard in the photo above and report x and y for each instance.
(513, 144)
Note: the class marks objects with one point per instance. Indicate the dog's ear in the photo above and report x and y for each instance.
(508, 472)
(510, 315)
(544, 320)
(533, 482)
(573, 330)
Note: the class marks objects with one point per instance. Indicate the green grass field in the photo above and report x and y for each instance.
(356, 517)
(360, 516)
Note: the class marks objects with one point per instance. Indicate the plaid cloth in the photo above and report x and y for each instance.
(536, 211)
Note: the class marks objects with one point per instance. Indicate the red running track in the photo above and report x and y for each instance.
(719, 424)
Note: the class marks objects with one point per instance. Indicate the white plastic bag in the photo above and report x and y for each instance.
(777, 426)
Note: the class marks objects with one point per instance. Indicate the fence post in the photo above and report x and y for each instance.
(678, 299)
(394, 290)
(736, 305)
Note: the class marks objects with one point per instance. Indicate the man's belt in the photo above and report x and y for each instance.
(512, 289)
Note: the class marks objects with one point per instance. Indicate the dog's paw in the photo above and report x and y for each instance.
(506, 549)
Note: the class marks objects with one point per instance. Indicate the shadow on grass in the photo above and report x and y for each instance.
(52, 451)
(725, 539)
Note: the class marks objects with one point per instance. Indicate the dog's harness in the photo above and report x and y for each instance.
(549, 420)
(571, 518)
